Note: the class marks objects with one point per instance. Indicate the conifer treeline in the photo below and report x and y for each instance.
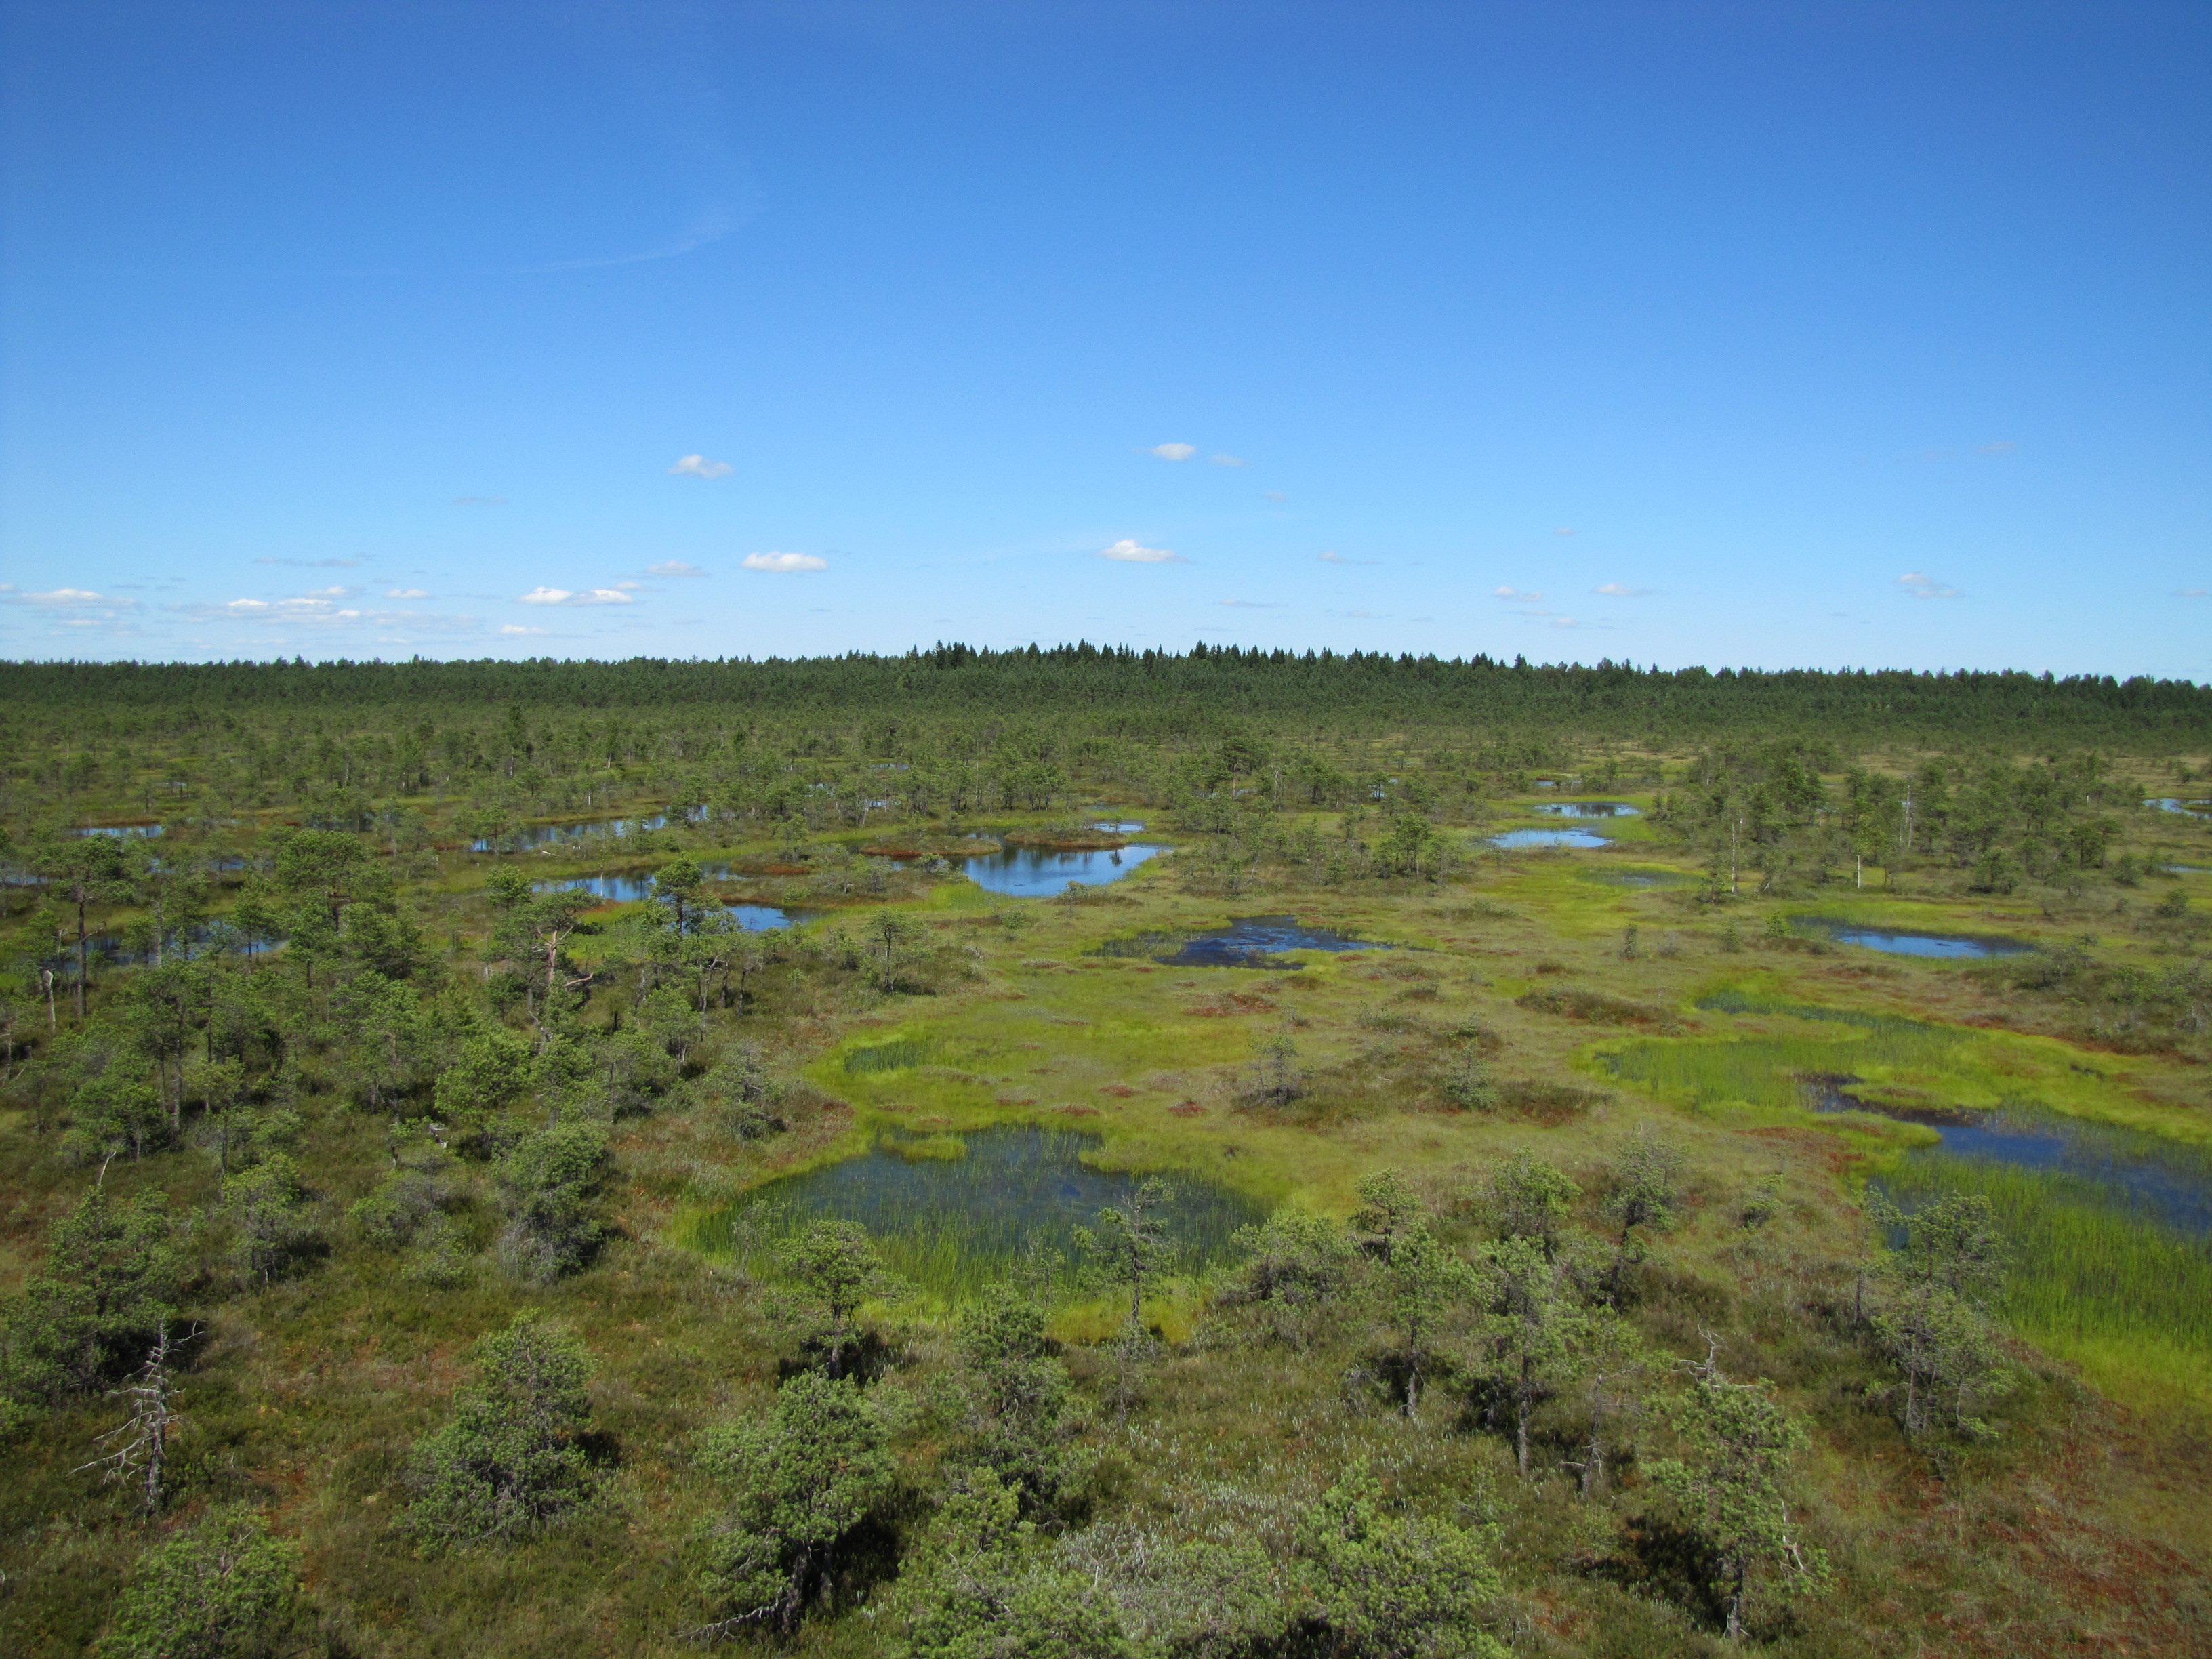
(1137, 693)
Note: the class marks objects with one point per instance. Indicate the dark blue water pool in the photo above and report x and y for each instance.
(1910, 942)
(1246, 942)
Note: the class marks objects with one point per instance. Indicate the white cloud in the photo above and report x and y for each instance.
(1272, 495)
(1228, 460)
(322, 611)
(70, 598)
(1173, 452)
(407, 593)
(1922, 586)
(1564, 621)
(2189, 593)
(1564, 530)
(516, 628)
(1330, 556)
(1128, 551)
(1250, 605)
(580, 596)
(698, 466)
(629, 587)
(1515, 595)
(784, 563)
(1621, 591)
(673, 568)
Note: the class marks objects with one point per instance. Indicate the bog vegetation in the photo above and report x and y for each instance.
(539, 1158)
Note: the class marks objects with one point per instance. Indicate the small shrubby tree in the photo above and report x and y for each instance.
(1647, 1190)
(1388, 1206)
(1130, 1249)
(745, 1093)
(1417, 1290)
(1014, 1397)
(1274, 1078)
(510, 1462)
(803, 1481)
(833, 1272)
(980, 1588)
(109, 1285)
(1529, 1198)
(1935, 1325)
(269, 1215)
(220, 1589)
(1297, 1265)
(1533, 1332)
(549, 1185)
(1731, 1489)
(1373, 1585)
(490, 1073)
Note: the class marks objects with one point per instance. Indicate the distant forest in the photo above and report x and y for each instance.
(1162, 696)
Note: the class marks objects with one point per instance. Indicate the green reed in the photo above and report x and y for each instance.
(2088, 1261)
(890, 1056)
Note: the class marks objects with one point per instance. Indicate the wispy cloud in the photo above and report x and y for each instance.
(1129, 551)
(1272, 495)
(2002, 446)
(407, 593)
(1173, 452)
(673, 568)
(313, 564)
(1517, 596)
(1330, 556)
(785, 563)
(1220, 459)
(1250, 605)
(1564, 621)
(1564, 530)
(710, 224)
(698, 466)
(517, 628)
(479, 501)
(324, 610)
(2189, 593)
(1621, 591)
(577, 596)
(70, 599)
(1921, 585)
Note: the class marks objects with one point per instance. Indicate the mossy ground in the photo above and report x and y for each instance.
(2081, 1527)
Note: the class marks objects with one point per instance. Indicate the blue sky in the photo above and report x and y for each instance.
(1769, 333)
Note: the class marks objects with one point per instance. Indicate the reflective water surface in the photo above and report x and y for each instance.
(1910, 942)
(1512, 839)
(1036, 872)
